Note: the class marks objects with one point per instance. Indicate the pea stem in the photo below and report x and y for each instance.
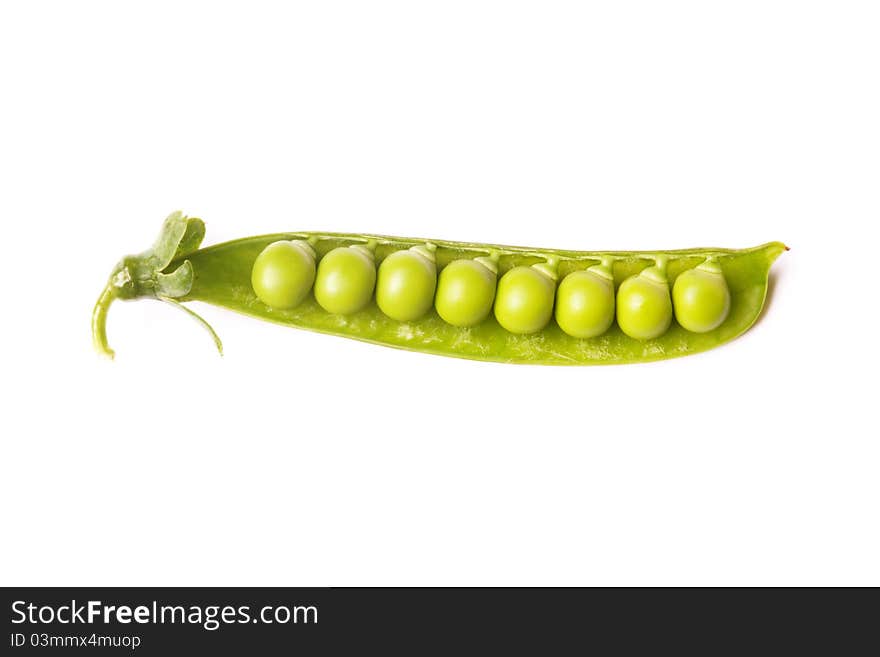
(99, 321)
(368, 249)
(548, 268)
(710, 265)
(489, 261)
(604, 269)
(425, 250)
(657, 271)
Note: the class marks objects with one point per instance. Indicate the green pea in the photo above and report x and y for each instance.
(701, 298)
(406, 283)
(466, 290)
(585, 302)
(644, 309)
(283, 273)
(346, 279)
(524, 303)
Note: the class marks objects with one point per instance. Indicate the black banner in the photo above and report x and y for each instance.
(152, 621)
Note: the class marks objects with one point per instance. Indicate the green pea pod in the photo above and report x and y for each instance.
(221, 275)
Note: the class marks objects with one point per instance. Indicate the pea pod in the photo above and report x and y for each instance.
(176, 270)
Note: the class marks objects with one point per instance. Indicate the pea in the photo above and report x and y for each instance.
(466, 290)
(177, 270)
(524, 303)
(283, 273)
(346, 279)
(406, 283)
(701, 297)
(585, 302)
(644, 309)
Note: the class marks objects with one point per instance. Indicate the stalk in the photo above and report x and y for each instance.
(99, 321)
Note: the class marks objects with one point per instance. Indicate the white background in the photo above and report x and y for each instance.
(301, 459)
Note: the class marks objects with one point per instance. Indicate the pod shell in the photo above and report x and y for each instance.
(222, 278)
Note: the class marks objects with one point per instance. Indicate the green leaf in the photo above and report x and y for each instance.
(192, 238)
(176, 284)
(165, 248)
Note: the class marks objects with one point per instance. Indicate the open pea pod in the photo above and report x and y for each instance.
(222, 275)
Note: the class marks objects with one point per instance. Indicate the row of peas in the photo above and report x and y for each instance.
(468, 290)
